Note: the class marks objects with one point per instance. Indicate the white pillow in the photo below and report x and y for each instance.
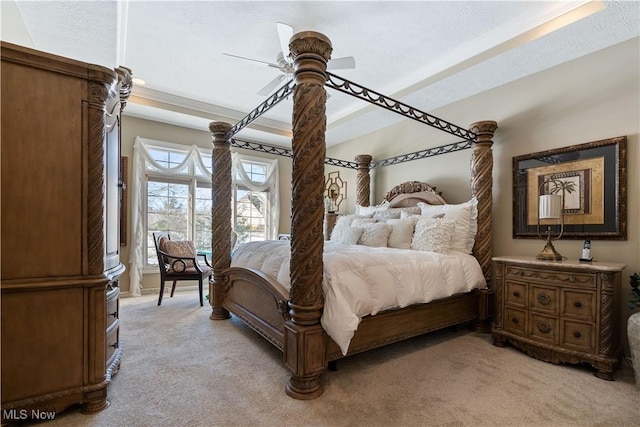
(375, 234)
(342, 223)
(351, 236)
(366, 210)
(465, 216)
(401, 233)
(345, 221)
(433, 234)
(371, 210)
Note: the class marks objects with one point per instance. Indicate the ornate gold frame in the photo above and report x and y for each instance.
(335, 190)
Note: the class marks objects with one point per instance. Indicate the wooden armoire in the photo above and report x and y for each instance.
(60, 241)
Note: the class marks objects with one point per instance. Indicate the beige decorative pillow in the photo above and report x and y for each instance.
(360, 222)
(401, 233)
(406, 214)
(392, 213)
(433, 234)
(375, 234)
(179, 248)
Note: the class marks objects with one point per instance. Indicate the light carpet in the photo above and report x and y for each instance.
(180, 368)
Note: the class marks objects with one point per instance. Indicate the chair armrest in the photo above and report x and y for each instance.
(206, 260)
(181, 260)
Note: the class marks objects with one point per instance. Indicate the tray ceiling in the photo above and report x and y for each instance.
(426, 53)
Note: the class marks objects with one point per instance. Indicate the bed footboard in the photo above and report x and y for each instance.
(399, 324)
(259, 300)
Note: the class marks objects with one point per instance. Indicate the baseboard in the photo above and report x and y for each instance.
(155, 291)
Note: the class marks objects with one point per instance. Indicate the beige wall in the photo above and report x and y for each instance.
(592, 98)
(133, 127)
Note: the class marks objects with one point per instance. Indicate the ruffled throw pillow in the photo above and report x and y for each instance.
(465, 216)
(433, 234)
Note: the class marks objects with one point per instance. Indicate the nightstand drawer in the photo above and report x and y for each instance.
(544, 299)
(543, 328)
(559, 278)
(112, 311)
(516, 294)
(515, 321)
(574, 279)
(580, 304)
(113, 342)
(578, 336)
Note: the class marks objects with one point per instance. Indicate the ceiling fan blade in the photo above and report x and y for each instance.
(285, 32)
(254, 60)
(342, 63)
(271, 85)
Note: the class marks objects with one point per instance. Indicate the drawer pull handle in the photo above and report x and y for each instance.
(516, 294)
(577, 334)
(514, 320)
(114, 314)
(577, 304)
(544, 299)
(543, 327)
(517, 273)
(572, 279)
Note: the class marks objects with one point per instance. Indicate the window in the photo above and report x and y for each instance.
(251, 207)
(171, 191)
(178, 196)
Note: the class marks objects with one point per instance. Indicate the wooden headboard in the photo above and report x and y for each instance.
(409, 193)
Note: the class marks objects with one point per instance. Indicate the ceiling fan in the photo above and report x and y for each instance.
(284, 63)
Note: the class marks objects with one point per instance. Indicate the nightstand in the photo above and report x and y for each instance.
(559, 311)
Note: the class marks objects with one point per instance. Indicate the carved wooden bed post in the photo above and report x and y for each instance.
(220, 216)
(481, 189)
(363, 180)
(304, 352)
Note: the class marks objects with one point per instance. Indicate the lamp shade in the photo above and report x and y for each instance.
(550, 206)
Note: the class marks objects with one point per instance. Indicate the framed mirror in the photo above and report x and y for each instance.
(335, 192)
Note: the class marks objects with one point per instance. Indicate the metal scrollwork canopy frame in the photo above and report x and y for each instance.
(367, 95)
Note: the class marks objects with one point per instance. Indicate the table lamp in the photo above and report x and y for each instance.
(550, 206)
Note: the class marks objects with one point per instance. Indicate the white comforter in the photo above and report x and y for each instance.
(362, 280)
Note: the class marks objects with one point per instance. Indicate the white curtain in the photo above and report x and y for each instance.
(192, 164)
(270, 185)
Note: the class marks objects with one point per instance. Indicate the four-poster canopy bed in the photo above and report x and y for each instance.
(291, 318)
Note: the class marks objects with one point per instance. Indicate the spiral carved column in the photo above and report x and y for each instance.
(363, 179)
(220, 216)
(607, 313)
(310, 52)
(98, 93)
(481, 189)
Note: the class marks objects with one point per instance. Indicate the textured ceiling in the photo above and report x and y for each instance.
(426, 53)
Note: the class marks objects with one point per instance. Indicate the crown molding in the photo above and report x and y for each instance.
(182, 105)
